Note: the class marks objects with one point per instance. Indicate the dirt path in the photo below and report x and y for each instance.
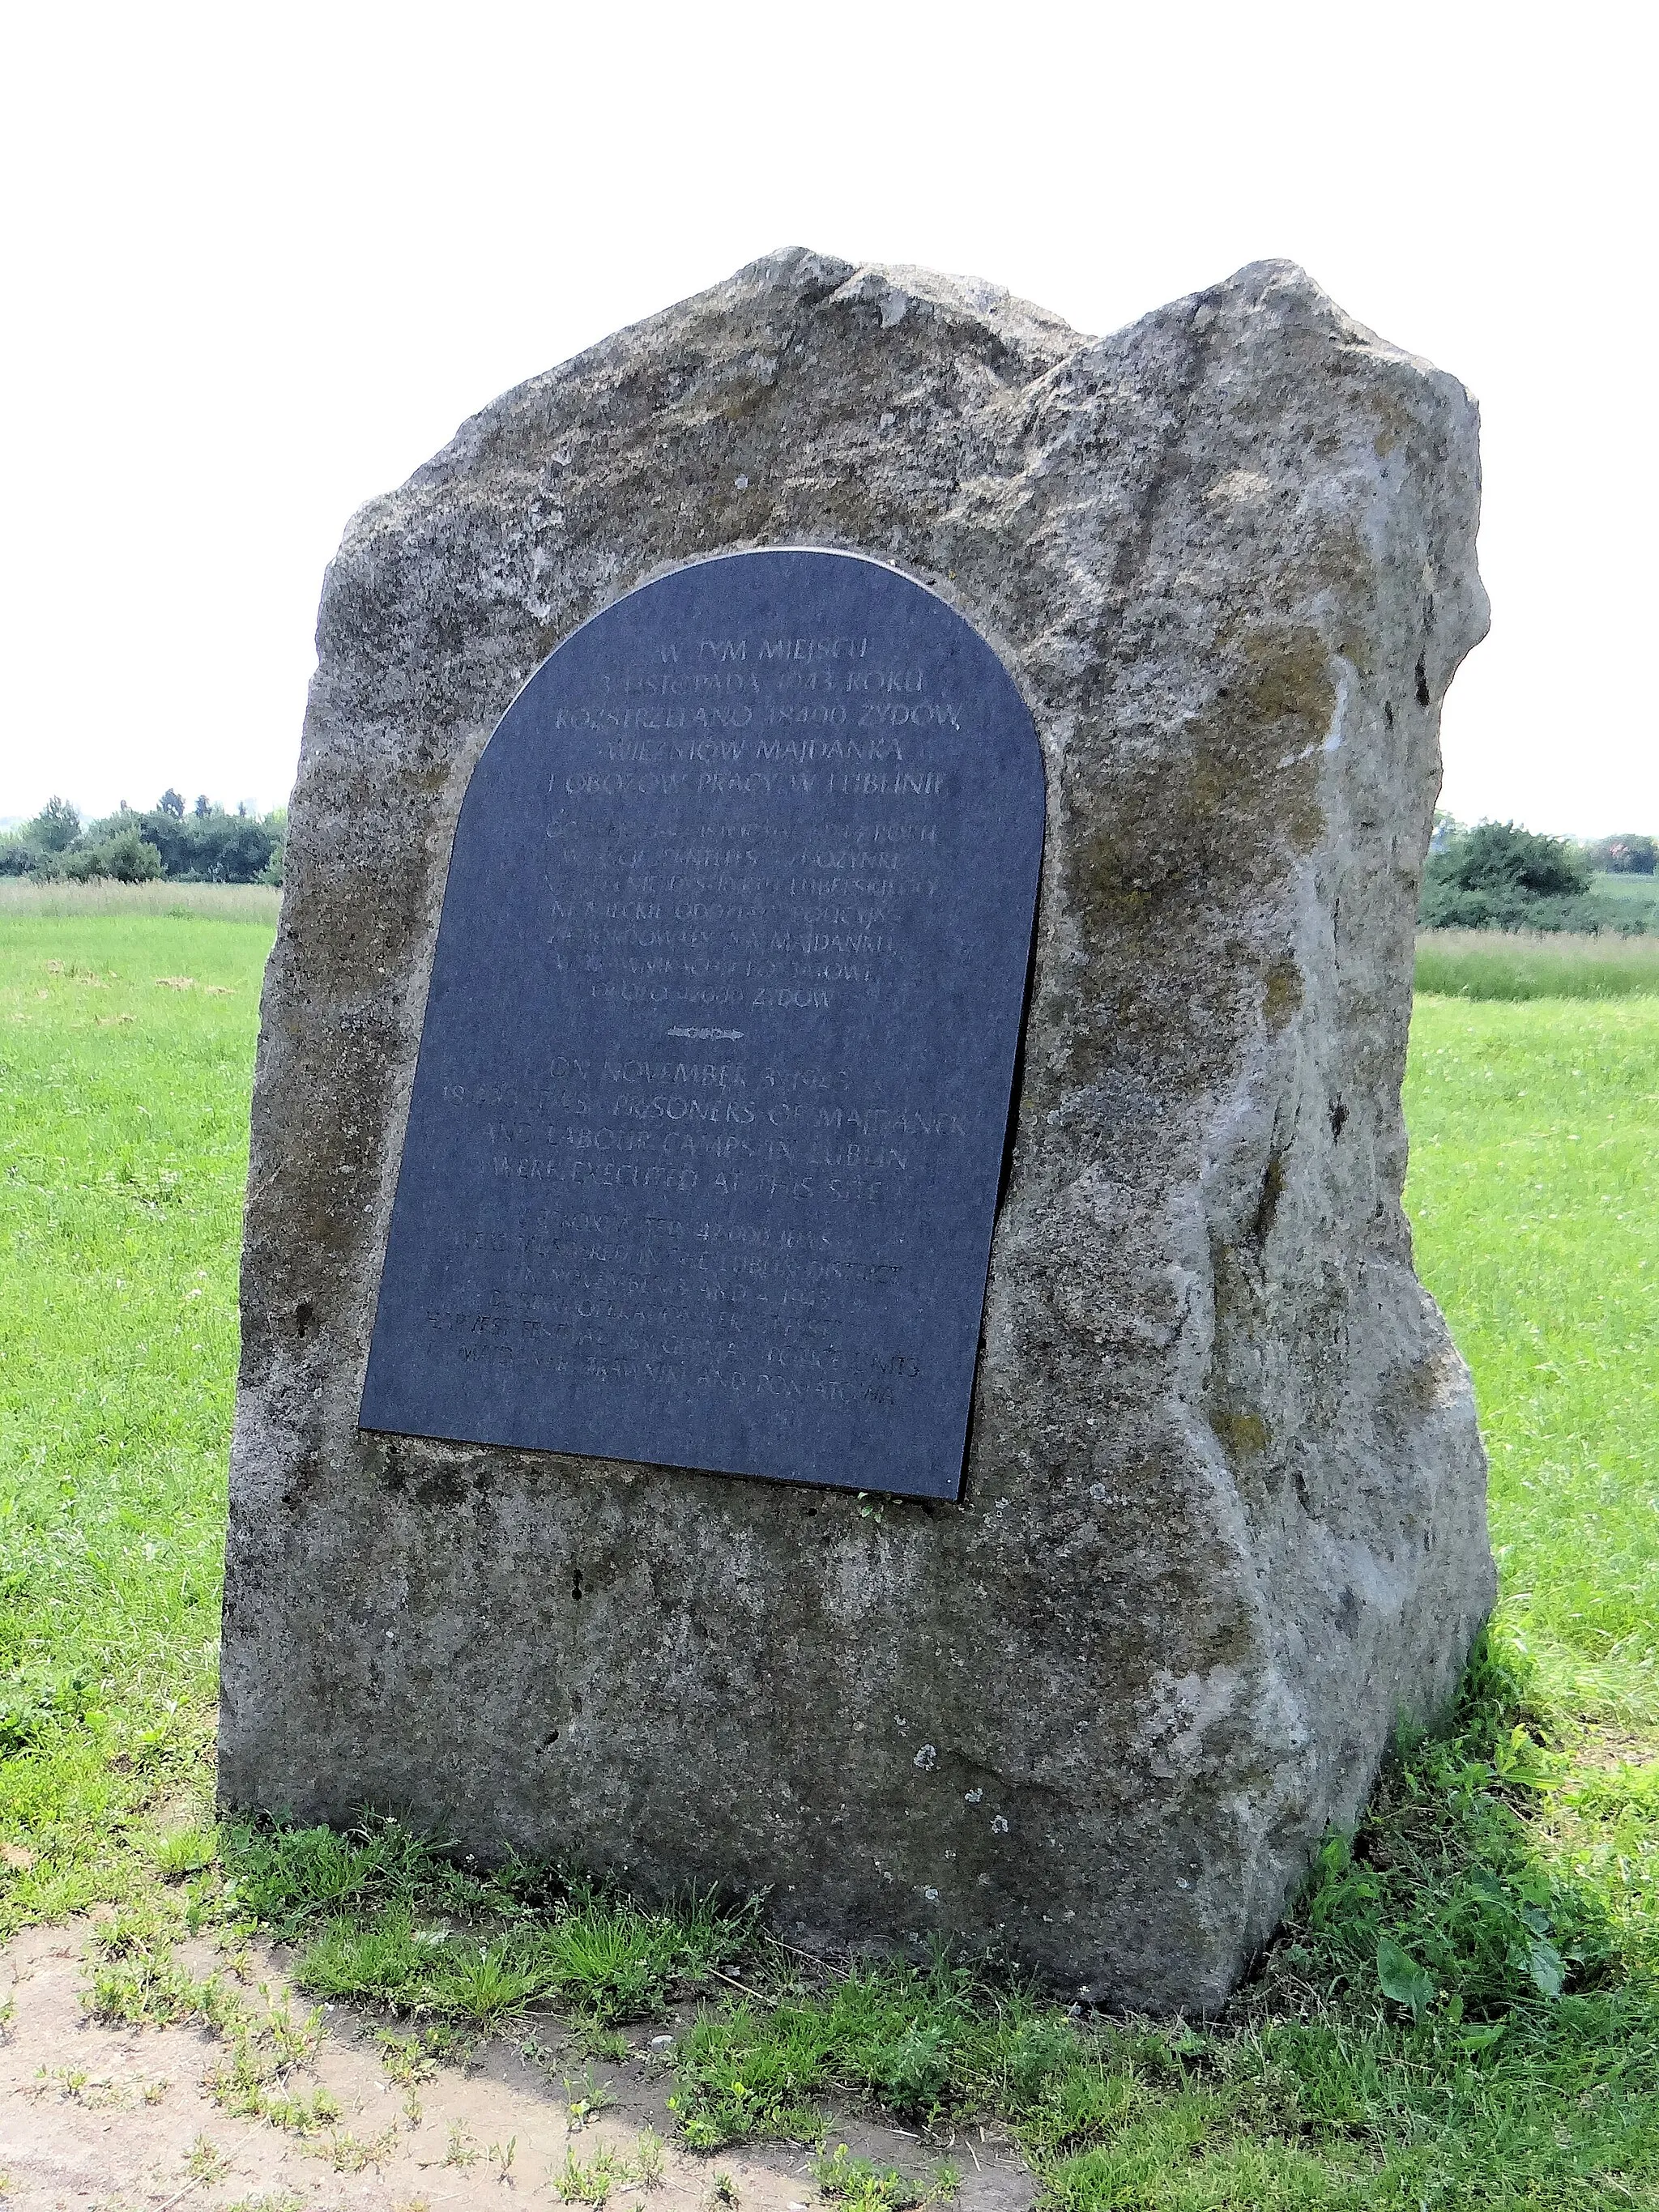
(95, 2118)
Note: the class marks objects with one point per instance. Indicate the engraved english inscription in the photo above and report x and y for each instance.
(713, 1090)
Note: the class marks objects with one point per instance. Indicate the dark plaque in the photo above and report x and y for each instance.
(713, 1090)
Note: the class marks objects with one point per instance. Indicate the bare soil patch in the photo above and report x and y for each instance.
(100, 2118)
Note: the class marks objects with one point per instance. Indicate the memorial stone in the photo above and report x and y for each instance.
(1099, 1288)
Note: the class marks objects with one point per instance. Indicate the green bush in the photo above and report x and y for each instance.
(125, 857)
(1498, 877)
(211, 846)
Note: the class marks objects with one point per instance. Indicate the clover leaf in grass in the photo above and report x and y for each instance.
(1546, 1967)
(1402, 1979)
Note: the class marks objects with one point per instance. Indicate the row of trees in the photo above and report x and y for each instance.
(1497, 877)
(202, 844)
(1492, 877)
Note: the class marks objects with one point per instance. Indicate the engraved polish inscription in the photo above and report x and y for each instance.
(713, 1083)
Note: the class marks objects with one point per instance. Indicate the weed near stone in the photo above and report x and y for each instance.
(385, 1914)
(587, 2180)
(862, 2185)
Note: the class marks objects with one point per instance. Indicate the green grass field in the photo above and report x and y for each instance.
(1534, 1194)
(1629, 890)
(1463, 2010)
(125, 1052)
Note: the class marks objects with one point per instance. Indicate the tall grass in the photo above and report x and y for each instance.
(1496, 963)
(257, 904)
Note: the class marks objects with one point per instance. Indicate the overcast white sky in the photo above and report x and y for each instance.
(259, 263)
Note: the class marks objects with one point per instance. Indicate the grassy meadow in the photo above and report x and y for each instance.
(127, 1037)
(1463, 2010)
(1630, 891)
(1534, 1196)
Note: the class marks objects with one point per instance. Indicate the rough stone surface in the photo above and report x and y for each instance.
(1225, 1511)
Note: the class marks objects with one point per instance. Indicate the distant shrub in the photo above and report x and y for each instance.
(1626, 855)
(1498, 877)
(1498, 858)
(123, 857)
(211, 846)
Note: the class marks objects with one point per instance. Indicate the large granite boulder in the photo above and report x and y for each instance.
(1224, 1517)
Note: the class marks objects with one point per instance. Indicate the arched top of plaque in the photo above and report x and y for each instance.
(714, 1084)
